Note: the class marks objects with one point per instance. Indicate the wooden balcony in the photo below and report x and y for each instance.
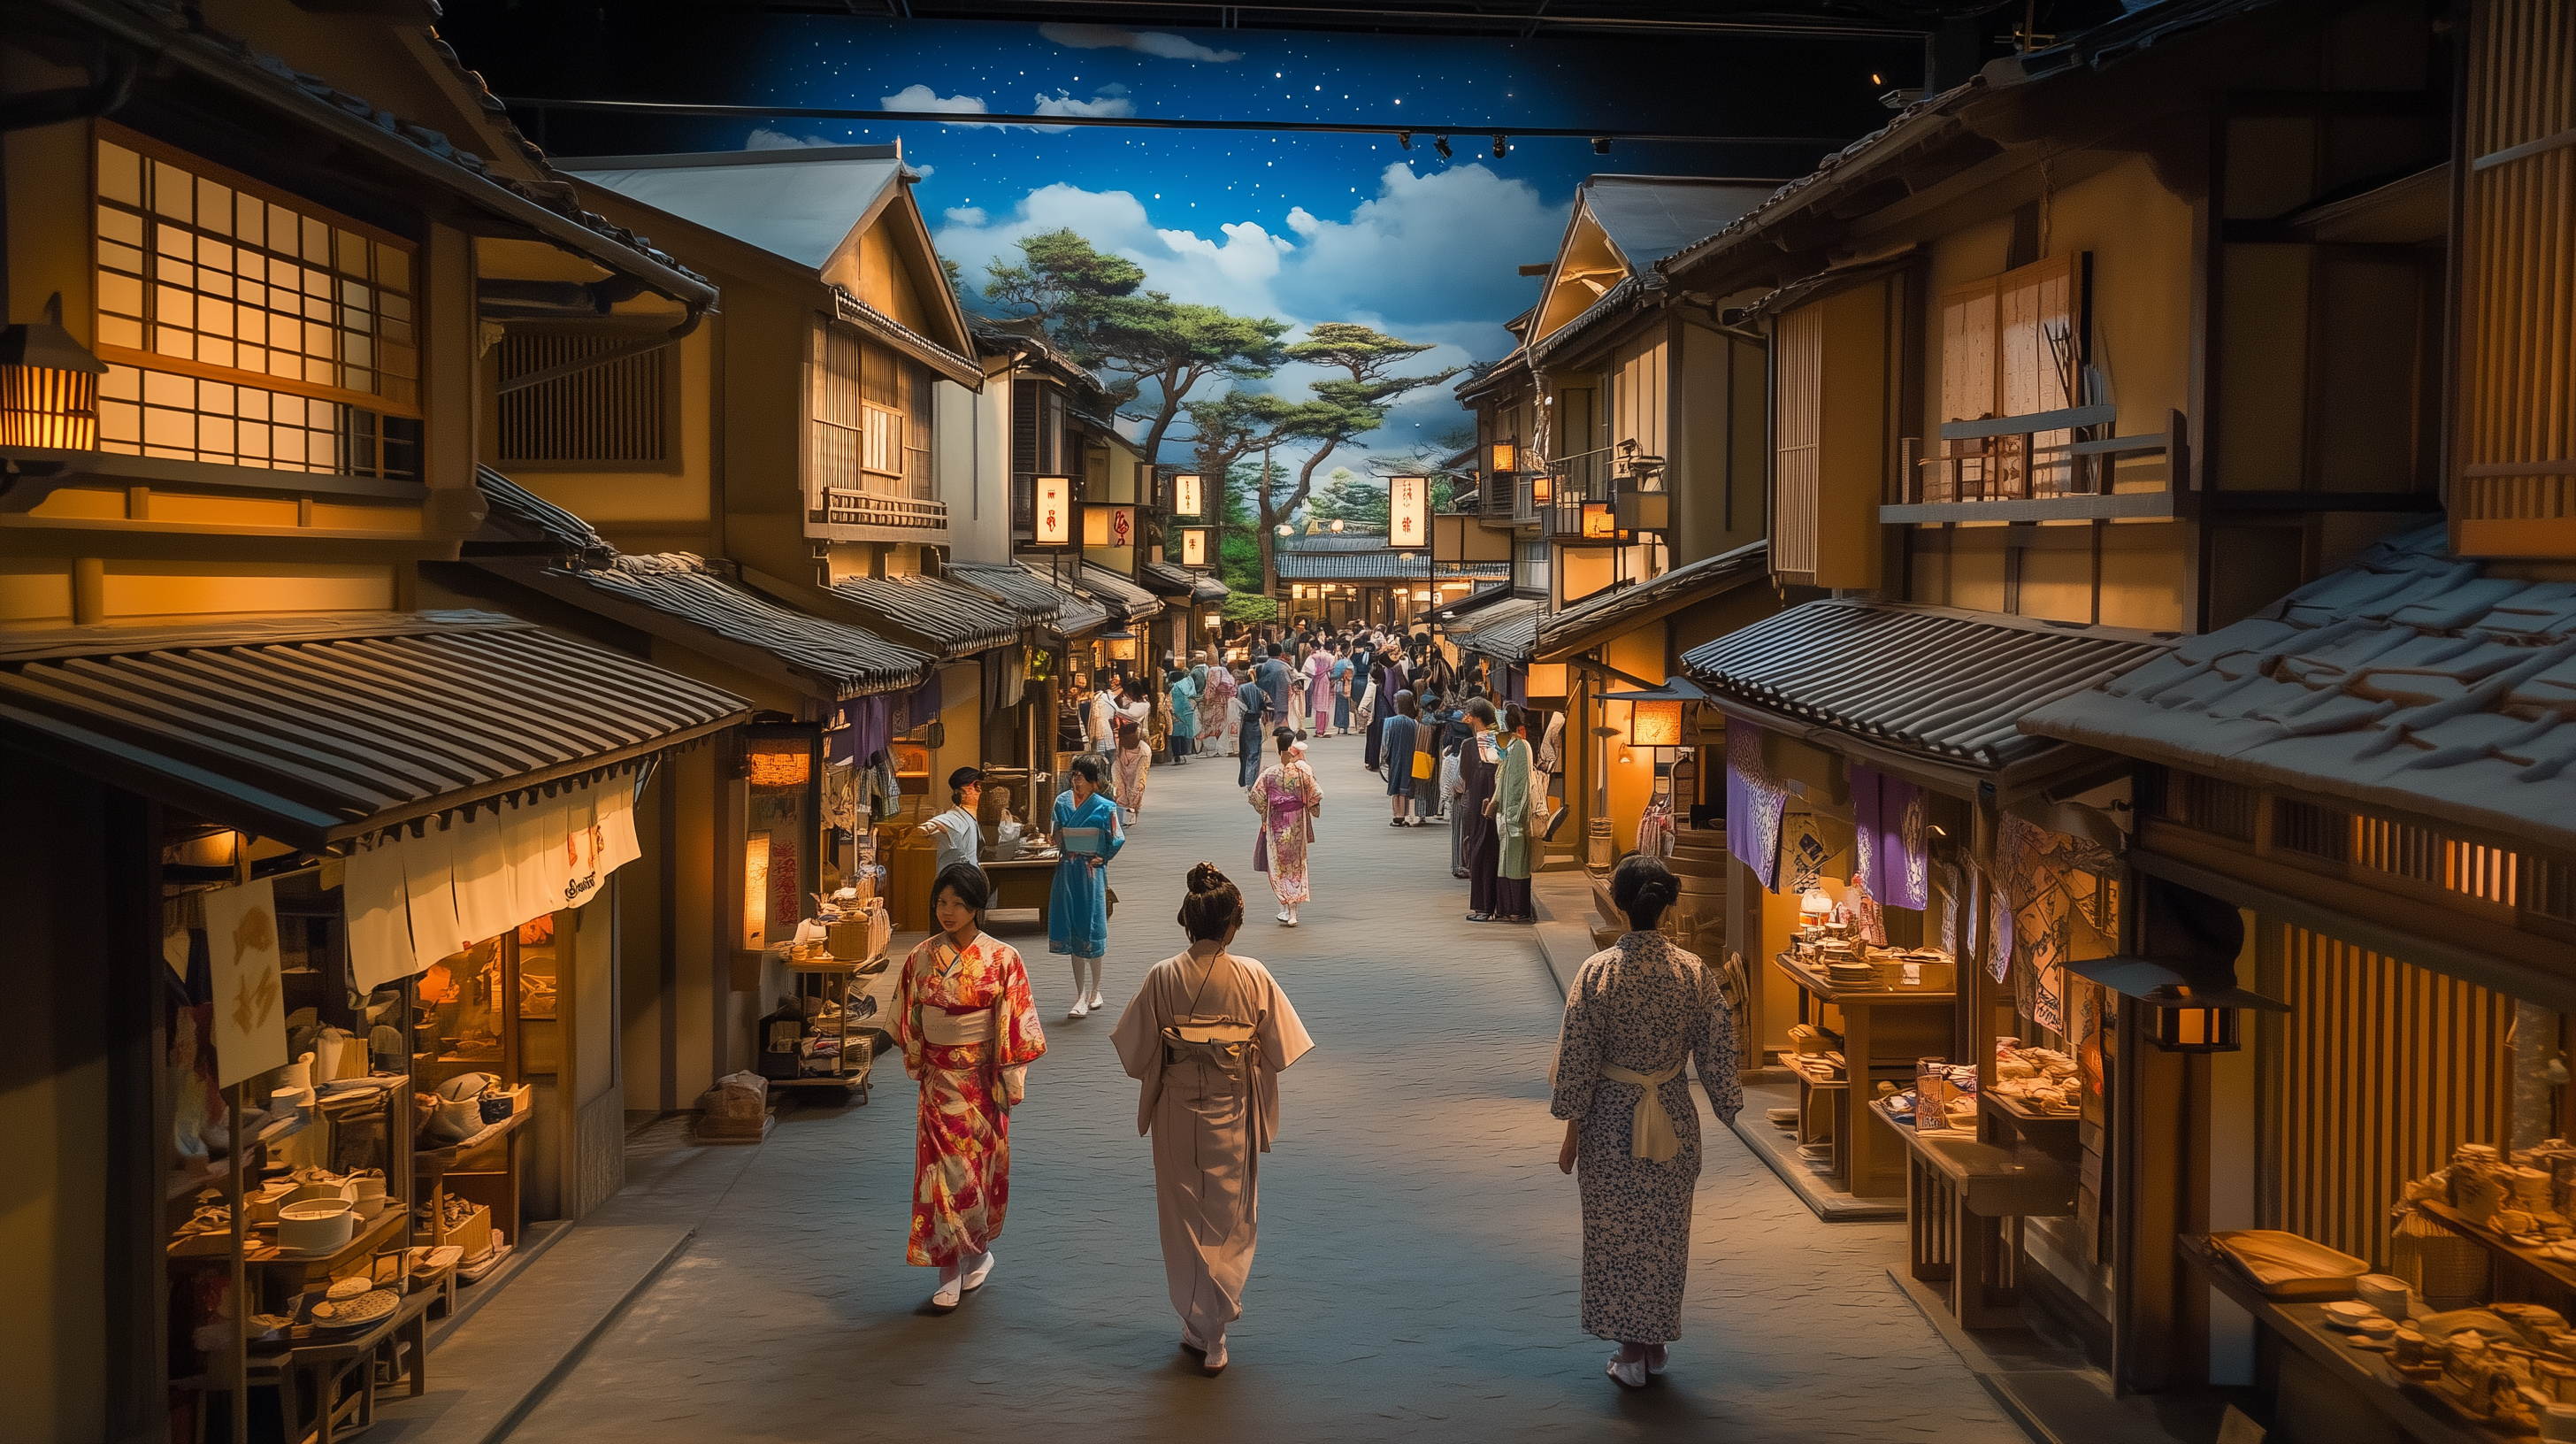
(2047, 466)
(1583, 497)
(919, 518)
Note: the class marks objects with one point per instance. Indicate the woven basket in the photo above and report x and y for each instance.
(2446, 1270)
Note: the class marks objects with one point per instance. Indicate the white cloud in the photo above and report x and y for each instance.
(1159, 43)
(1429, 257)
(922, 97)
(1102, 103)
(763, 138)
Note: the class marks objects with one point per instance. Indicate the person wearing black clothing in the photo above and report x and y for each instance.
(1251, 703)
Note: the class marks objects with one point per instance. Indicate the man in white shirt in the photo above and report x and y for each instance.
(957, 829)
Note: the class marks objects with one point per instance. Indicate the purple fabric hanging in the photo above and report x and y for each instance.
(866, 735)
(1756, 803)
(927, 700)
(1891, 818)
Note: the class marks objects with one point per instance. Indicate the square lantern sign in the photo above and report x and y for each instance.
(1408, 512)
(1187, 497)
(1051, 514)
(1194, 547)
(1108, 525)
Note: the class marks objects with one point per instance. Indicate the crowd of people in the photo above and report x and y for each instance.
(1207, 1032)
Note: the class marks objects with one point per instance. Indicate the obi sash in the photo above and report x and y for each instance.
(1651, 1136)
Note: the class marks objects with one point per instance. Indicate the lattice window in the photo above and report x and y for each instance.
(246, 327)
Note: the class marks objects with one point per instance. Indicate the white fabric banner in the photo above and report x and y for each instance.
(617, 845)
(415, 900)
(250, 1004)
(372, 895)
(483, 901)
(429, 889)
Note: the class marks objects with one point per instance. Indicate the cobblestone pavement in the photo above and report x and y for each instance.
(1418, 1273)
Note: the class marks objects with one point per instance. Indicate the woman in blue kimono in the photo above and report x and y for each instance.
(1078, 906)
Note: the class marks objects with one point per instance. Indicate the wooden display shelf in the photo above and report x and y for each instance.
(1964, 1204)
(257, 1254)
(1884, 1032)
(1816, 982)
(1814, 1071)
(2561, 1275)
(2422, 1414)
(444, 1159)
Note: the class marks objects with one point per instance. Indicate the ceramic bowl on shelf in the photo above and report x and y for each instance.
(2349, 1314)
(316, 1225)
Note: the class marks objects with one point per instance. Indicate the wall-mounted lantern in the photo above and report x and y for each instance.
(48, 385)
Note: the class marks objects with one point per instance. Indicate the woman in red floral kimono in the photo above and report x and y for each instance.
(969, 1032)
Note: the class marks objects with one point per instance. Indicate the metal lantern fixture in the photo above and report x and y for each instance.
(1051, 514)
(1506, 458)
(1108, 524)
(1542, 488)
(1636, 511)
(1194, 546)
(1122, 644)
(48, 385)
(1598, 524)
(1186, 498)
(2185, 972)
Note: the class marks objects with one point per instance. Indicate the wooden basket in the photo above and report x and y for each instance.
(2447, 1271)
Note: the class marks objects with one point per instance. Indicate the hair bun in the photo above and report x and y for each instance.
(1206, 878)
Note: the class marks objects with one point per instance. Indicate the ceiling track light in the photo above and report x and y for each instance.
(1600, 145)
(1404, 139)
(1502, 146)
(1440, 144)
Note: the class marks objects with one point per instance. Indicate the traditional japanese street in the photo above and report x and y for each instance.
(1417, 1277)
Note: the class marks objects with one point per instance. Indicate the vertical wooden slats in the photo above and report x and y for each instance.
(2389, 1068)
(1800, 429)
(2517, 416)
(614, 412)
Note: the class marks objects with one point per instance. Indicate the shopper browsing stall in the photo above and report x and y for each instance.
(1208, 1035)
(969, 1031)
(958, 828)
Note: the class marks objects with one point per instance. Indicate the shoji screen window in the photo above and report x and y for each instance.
(246, 328)
(839, 416)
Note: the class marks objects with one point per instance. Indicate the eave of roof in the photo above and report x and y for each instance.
(1936, 684)
(1125, 600)
(1037, 603)
(1602, 616)
(542, 208)
(1506, 632)
(947, 619)
(2414, 681)
(957, 368)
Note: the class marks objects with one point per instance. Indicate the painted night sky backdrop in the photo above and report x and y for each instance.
(1306, 228)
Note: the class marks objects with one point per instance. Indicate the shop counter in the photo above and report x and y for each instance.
(2416, 1411)
(1964, 1203)
(1022, 882)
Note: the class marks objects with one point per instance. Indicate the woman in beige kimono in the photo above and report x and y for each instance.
(1207, 1035)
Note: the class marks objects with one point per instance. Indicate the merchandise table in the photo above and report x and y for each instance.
(314, 1368)
(1885, 1030)
(1964, 1203)
(1022, 882)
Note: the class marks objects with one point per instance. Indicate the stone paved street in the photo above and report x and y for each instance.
(1418, 1267)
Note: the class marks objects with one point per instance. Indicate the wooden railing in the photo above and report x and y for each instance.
(867, 508)
(2043, 456)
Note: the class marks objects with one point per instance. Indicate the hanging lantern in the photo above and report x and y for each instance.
(1194, 546)
(1408, 512)
(1186, 500)
(1108, 525)
(1337, 523)
(1284, 529)
(1637, 511)
(2185, 971)
(48, 385)
(1542, 488)
(1122, 645)
(1597, 522)
(1506, 458)
(1052, 516)
(2185, 1024)
(1655, 723)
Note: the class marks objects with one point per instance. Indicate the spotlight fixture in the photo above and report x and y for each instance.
(1600, 145)
(1404, 139)
(1440, 145)
(1502, 146)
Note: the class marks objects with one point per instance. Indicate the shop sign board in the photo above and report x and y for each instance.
(1106, 525)
(1408, 512)
(1051, 516)
(249, 1002)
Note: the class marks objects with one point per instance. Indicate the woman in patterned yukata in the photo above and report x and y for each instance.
(969, 1032)
(1289, 802)
(1211, 1109)
(1078, 904)
(1634, 1013)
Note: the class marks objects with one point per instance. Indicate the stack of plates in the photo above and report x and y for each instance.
(354, 1313)
(1851, 974)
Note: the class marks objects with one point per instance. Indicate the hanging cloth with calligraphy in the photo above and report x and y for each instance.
(1892, 823)
(1756, 801)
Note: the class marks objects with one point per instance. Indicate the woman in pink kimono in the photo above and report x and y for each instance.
(1289, 801)
(1221, 686)
(1319, 691)
(1208, 1035)
(969, 1031)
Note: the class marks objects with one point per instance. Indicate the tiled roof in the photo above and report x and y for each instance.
(1124, 599)
(362, 723)
(1172, 580)
(521, 515)
(1506, 632)
(1945, 684)
(946, 618)
(1380, 565)
(1604, 615)
(1081, 614)
(1034, 600)
(2412, 680)
(1333, 541)
(844, 661)
(1459, 615)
